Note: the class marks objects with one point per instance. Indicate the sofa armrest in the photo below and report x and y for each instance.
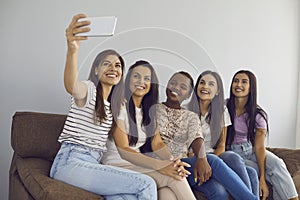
(16, 187)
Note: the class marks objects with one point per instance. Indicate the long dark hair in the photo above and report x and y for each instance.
(148, 108)
(216, 109)
(251, 107)
(117, 90)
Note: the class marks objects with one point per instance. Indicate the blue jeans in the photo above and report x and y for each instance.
(79, 166)
(248, 174)
(223, 181)
(276, 172)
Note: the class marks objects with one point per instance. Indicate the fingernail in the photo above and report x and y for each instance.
(195, 180)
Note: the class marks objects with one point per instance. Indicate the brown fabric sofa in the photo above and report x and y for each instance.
(34, 141)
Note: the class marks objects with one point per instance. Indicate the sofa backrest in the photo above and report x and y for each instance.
(35, 134)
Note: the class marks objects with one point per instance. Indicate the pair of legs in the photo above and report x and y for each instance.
(248, 174)
(79, 166)
(223, 181)
(168, 187)
(276, 172)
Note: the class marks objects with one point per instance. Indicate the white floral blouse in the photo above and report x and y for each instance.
(178, 128)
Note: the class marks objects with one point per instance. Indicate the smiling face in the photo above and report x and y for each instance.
(178, 89)
(140, 81)
(109, 70)
(207, 88)
(241, 85)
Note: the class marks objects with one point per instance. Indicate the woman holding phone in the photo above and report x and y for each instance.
(89, 121)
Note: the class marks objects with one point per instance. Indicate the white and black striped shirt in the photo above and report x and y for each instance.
(80, 127)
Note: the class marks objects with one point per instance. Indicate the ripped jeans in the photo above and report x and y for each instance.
(276, 172)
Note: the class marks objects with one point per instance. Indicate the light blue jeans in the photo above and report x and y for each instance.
(79, 166)
(223, 181)
(248, 174)
(276, 172)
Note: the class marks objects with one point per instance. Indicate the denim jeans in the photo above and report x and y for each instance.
(79, 166)
(276, 172)
(223, 181)
(248, 174)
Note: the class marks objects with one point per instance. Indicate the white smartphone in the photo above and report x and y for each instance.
(100, 26)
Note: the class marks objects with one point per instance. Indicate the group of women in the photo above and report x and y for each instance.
(120, 142)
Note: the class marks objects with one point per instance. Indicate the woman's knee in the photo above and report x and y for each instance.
(251, 171)
(232, 157)
(215, 161)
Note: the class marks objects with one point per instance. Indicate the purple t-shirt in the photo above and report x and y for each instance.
(241, 128)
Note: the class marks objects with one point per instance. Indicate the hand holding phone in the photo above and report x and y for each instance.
(100, 26)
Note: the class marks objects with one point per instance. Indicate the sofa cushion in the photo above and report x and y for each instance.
(34, 174)
(35, 134)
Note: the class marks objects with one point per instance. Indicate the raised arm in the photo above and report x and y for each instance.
(73, 86)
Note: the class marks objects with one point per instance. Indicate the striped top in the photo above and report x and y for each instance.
(80, 127)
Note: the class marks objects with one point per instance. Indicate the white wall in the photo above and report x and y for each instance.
(262, 36)
(298, 108)
(298, 102)
(298, 116)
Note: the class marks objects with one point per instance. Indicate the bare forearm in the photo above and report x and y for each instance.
(71, 71)
(219, 150)
(260, 151)
(139, 159)
(163, 152)
(222, 144)
(260, 154)
(198, 147)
